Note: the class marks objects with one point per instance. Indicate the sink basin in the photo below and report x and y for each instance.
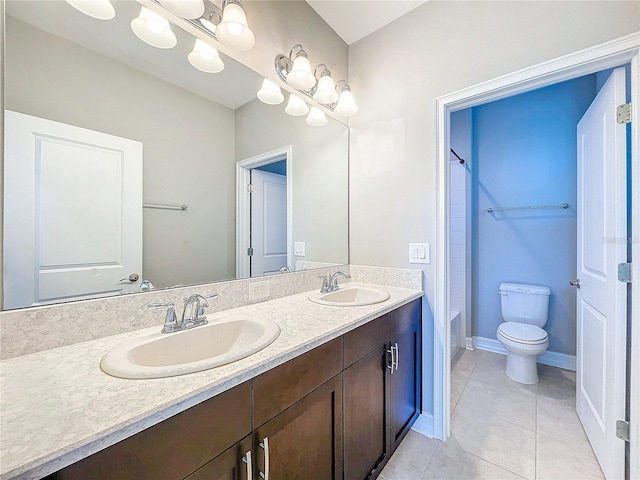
(350, 297)
(200, 348)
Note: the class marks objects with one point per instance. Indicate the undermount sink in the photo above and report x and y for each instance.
(200, 348)
(350, 297)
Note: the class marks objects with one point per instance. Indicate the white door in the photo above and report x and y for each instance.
(72, 212)
(268, 222)
(601, 299)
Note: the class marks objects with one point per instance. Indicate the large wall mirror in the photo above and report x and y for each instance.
(122, 159)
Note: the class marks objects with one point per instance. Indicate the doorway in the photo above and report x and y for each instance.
(575, 65)
(264, 214)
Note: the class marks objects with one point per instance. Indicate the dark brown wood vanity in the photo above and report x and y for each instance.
(336, 412)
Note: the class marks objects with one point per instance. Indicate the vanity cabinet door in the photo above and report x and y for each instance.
(405, 380)
(365, 421)
(305, 440)
(234, 464)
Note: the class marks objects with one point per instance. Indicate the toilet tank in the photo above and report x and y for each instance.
(525, 303)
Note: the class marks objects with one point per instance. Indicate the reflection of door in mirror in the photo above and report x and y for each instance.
(73, 212)
(268, 219)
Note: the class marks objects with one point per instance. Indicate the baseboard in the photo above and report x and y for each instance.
(424, 424)
(554, 359)
(469, 343)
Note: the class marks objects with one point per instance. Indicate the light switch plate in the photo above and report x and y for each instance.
(299, 249)
(419, 253)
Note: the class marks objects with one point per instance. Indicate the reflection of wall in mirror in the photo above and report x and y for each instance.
(320, 174)
(187, 139)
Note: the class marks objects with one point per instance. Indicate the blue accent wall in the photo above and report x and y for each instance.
(524, 153)
(279, 168)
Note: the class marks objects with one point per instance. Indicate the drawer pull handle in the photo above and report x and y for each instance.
(247, 459)
(397, 356)
(265, 446)
(392, 351)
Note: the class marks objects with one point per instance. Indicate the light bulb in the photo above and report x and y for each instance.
(184, 8)
(270, 93)
(316, 117)
(206, 58)
(233, 31)
(100, 9)
(326, 92)
(301, 76)
(296, 106)
(153, 29)
(346, 105)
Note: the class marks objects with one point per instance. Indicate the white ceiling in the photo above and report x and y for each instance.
(355, 19)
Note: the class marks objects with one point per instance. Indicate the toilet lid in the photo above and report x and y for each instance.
(522, 332)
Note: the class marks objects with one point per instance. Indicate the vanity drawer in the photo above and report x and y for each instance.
(175, 447)
(405, 316)
(281, 387)
(362, 340)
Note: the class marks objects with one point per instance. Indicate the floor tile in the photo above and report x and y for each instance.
(556, 383)
(490, 371)
(458, 382)
(558, 418)
(502, 403)
(504, 444)
(465, 362)
(411, 458)
(557, 459)
(450, 461)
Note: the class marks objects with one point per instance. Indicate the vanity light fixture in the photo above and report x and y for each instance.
(205, 58)
(184, 8)
(316, 118)
(100, 9)
(319, 85)
(296, 107)
(270, 93)
(346, 105)
(153, 29)
(325, 89)
(233, 30)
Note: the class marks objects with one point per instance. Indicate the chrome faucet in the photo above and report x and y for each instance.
(196, 304)
(330, 284)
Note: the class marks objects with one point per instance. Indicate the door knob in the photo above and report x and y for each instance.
(134, 277)
(575, 283)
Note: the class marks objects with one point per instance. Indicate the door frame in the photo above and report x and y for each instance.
(599, 57)
(243, 203)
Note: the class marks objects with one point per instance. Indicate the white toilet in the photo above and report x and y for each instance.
(525, 310)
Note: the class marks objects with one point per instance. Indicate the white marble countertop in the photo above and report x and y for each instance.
(57, 406)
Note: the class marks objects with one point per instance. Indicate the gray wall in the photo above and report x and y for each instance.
(398, 71)
(319, 173)
(188, 145)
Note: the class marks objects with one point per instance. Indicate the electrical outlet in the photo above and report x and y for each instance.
(259, 290)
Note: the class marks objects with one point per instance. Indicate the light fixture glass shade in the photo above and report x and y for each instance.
(296, 106)
(326, 91)
(184, 8)
(300, 76)
(153, 29)
(346, 106)
(270, 93)
(100, 9)
(233, 31)
(206, 58)
(316, 117)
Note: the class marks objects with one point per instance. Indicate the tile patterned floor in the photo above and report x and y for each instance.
(501, 429)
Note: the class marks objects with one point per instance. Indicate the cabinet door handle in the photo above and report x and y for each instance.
(247, 459)
(397, 356)
(393, 359)
(265, 446)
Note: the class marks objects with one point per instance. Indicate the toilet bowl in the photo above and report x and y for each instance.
(525, 311)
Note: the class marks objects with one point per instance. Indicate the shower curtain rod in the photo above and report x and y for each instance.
(460, 159)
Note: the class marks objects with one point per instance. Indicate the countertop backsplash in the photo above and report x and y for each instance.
(36, 329)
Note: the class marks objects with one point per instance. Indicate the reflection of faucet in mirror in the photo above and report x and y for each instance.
(285, 268)
(146, 285)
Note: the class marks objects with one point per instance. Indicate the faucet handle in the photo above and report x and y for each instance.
(170, 319)
(325, 283)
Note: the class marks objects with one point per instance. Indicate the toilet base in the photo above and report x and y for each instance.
(522, 368)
